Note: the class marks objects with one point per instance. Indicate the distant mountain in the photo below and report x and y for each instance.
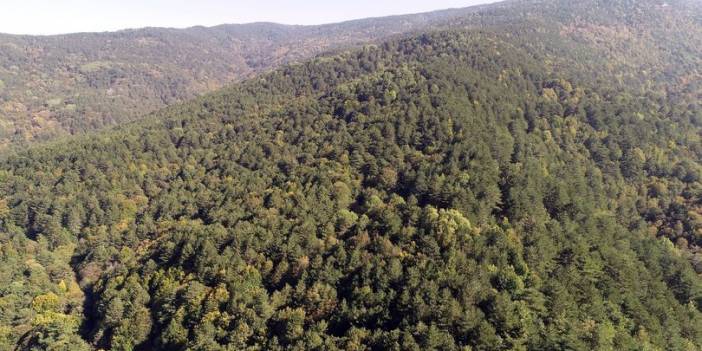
(66, 84)
(525, 176)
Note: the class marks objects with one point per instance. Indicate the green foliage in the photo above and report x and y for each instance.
(506, 189)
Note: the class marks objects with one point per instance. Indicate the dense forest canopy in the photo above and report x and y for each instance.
(528, 179)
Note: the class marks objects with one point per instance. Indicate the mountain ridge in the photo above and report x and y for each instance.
(106, 78)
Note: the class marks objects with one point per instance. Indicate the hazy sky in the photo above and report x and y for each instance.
(68, 16)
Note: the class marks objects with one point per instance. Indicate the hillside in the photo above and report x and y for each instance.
(56, 85)
(528, 179)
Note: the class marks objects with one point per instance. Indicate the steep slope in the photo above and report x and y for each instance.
(54, 85)
(514, 187)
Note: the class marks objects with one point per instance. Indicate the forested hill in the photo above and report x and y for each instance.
(65, 84)
(534, 184)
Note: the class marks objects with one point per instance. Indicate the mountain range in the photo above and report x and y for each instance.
(53, 86)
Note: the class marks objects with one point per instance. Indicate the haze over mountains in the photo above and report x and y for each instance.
(519, 176)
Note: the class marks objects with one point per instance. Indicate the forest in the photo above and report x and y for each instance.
(526, 178)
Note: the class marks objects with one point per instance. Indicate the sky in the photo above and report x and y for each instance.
(42, 17)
